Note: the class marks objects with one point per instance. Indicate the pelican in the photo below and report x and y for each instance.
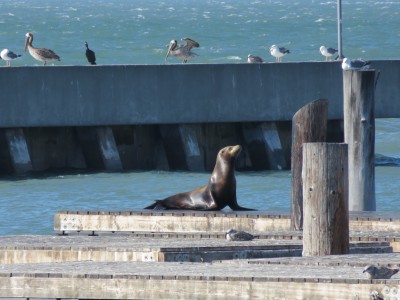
(278, 52)
(182, 51)
(327, 52)
(8, 56)
(40, 54)
(90, 55)
(252, 59)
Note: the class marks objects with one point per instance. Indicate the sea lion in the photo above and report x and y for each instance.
(216, 195)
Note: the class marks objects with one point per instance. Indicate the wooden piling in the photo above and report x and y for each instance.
(325, 192)
(359, 134)
(309, 124)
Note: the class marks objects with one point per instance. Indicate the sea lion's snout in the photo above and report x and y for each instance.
(235, 150)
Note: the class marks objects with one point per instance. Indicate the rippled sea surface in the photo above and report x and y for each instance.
(136, 32)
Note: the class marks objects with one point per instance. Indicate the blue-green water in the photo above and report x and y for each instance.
(136, 32)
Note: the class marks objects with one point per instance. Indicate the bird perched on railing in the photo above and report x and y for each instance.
(8, 56)
(327, 52)
(379, 272)
(235, 235)
(40, 54)
(252, 59)
(278, 52)
(90, 55)
(182, 51)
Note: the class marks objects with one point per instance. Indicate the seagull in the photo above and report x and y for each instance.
(40, 54)
(252, 59)
(278, 52)
(327, 52)
(182, 51)
(379, 272)
(90, 55)
(8, 56)
(234, 235)
(355, 64)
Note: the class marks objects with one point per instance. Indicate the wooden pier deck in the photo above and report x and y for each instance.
(234, 280)
(180, 255)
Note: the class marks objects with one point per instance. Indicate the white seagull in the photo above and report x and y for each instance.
(182, 51)
(234, 235)
(278, 52)
(355, 64)
(327, 52)
(252, 59)
(8, 56)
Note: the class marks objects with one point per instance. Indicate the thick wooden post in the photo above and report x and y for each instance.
(325, 192)
(359, 134)
(308, 125)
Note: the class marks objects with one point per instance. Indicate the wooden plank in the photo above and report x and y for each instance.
(183, 280)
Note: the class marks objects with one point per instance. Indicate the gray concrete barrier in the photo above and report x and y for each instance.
(175, 94)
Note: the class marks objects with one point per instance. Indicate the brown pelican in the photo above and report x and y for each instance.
(182, 51)
(8, 56)
(40, 54)
(252, 59)
(90, 55)
(278, 52)
(327, 52)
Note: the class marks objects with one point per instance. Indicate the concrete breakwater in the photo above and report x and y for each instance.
(172, 117)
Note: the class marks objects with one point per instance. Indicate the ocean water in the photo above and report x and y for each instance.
(136, 32)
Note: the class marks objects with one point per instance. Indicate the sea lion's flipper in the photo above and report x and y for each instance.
(157, 206)
(235, 206)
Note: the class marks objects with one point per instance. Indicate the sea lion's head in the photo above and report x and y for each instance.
(229, 153)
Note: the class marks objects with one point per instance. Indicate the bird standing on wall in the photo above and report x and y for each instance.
(379, 272)
(355, 64)
(8, 56)
(234, 235)
(40, 54)
(90, 55)
(327, 52)
(278, 52)
(182, 51)
(252, 59)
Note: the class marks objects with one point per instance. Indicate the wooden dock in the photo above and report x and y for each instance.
(180, 255)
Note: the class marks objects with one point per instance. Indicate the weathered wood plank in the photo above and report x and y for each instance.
(186, 280)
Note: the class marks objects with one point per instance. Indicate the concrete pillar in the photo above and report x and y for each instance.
(15, 155)
(99, 148)
(264, 146)
(182, 147)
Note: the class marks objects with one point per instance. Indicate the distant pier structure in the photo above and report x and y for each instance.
(173, 117)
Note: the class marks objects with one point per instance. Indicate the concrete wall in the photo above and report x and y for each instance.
(176, 94)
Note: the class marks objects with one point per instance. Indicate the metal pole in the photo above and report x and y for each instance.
(339, 23)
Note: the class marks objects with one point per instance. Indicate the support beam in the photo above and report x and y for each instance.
(99, 148)
(359, 134)
(17, 156)
(182, 147)
(264, 146)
